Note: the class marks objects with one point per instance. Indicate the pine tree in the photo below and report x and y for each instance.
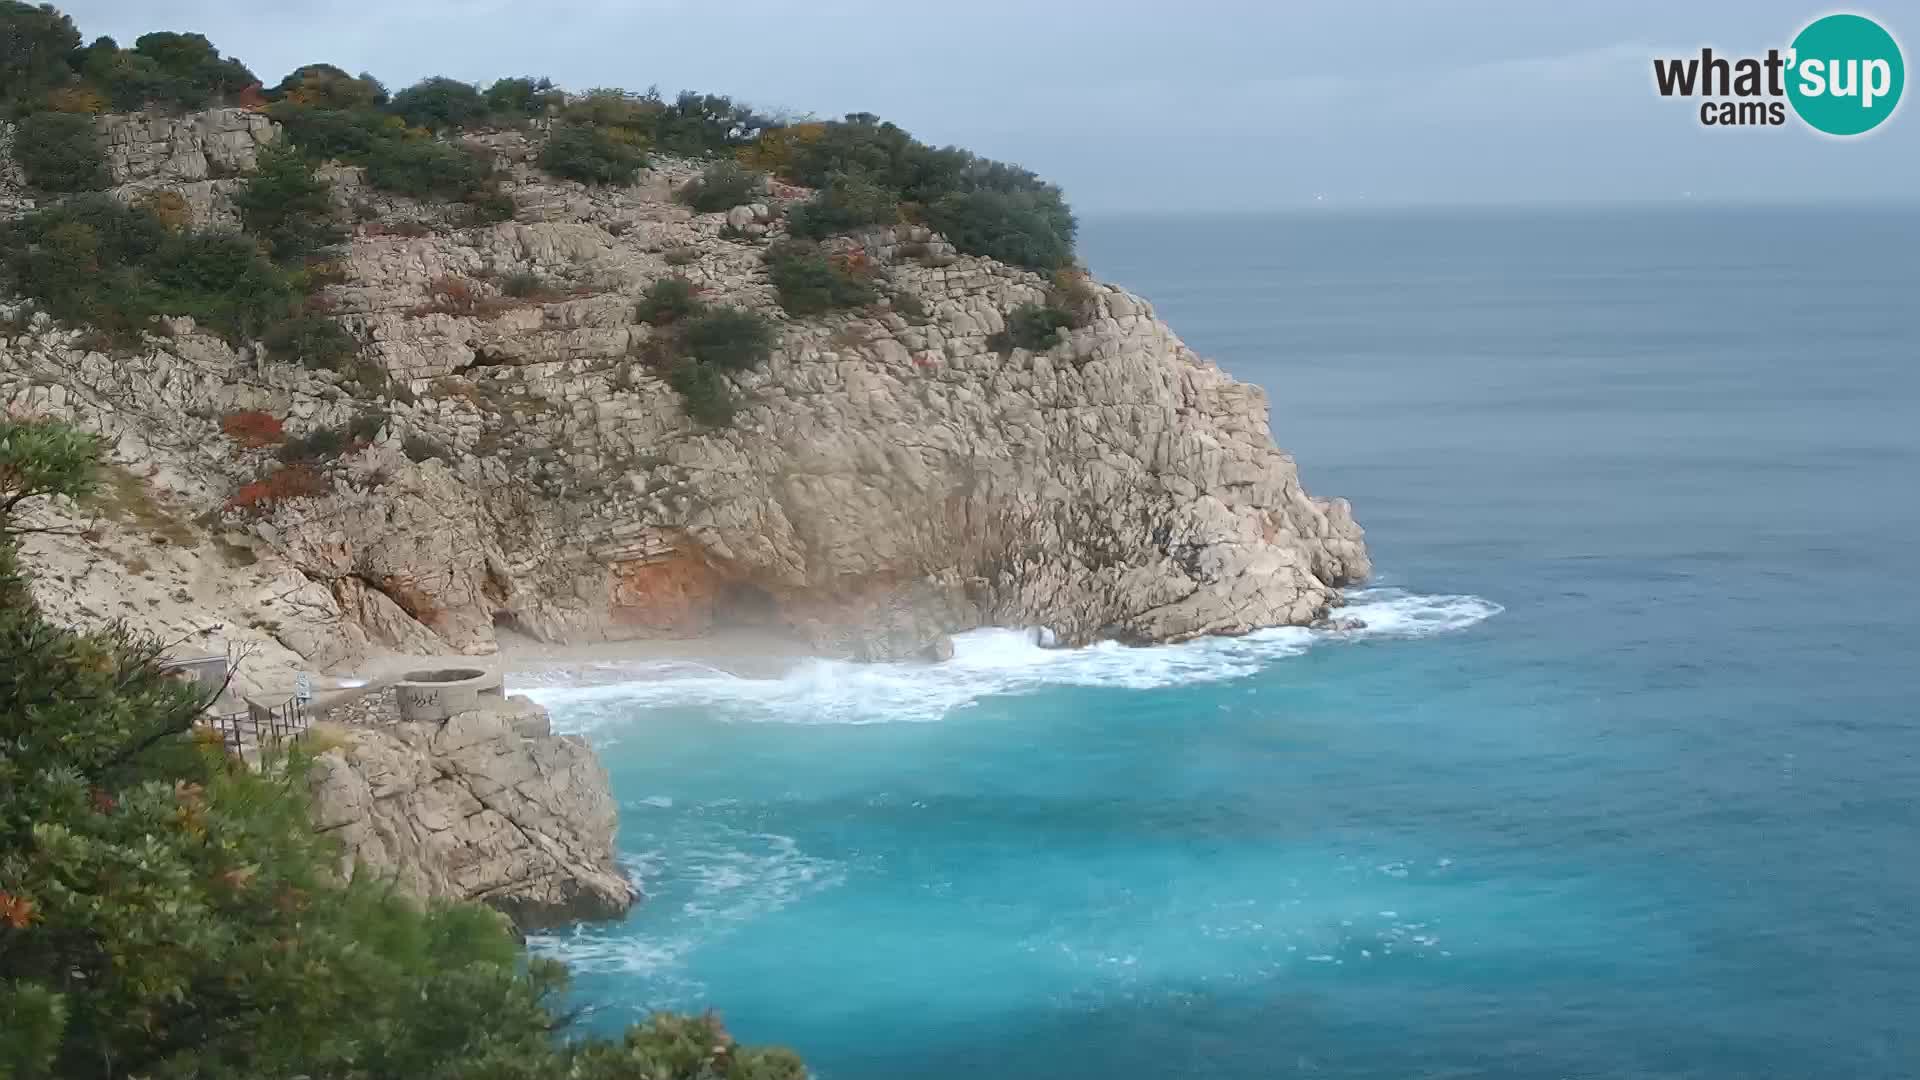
(166, 911)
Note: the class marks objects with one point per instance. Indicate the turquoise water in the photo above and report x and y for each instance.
(1622, 781)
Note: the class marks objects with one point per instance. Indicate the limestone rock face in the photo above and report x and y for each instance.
(489, 806)
(892, 477)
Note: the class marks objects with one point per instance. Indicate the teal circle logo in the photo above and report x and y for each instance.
(1846, 74)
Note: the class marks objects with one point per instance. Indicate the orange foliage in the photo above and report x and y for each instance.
(451, 296)
(774, 151)
(286, 482)
(81, 98)
(252, 428)
(170, 207)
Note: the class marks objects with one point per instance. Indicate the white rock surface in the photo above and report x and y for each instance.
(889, 480)
(489, 806)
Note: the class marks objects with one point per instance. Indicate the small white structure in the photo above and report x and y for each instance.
(432, 696)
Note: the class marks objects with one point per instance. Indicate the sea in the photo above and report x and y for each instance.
(1621, 780)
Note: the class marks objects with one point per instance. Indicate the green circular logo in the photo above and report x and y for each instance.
(1846, 74)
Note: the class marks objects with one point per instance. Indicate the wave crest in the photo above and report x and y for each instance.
(987, 663)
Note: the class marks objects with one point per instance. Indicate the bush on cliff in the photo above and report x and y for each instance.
(850, 201)
(729, 338)
(439, 104)
(1024, 228)
(722, 186)
(810, 282)
(667, 301)
(60, 152)
(93, 261)
(167, 910)
(35, 44)
(1031, 326)
(311, 340)
(328, 87)
(287, 206)
(591, 155)
(704, 391)
(523, 97)
(426, 168)
(985, 207)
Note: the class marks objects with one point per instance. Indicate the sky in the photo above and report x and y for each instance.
(1195, 105)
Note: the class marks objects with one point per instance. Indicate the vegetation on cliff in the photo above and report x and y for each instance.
(869, 171)
(168, 911)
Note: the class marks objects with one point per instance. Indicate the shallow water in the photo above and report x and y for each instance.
(1622, 780)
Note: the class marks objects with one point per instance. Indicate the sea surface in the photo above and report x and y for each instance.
(1622, 780)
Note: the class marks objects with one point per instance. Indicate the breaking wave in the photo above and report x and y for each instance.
(986, 663)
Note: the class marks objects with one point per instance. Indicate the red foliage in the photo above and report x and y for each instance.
(286, 482)
(252, 428)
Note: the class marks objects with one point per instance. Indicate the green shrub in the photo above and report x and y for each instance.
(909, 305)
(984, 207)
(313, 341)
(439, 104)
(810, 283)
(322, 133)
(94, 261)
(327, 87)
(591, 155)
(1032, 326)
(425, 168)
(171, 912)
(697, 125)
(490, 206)
(366, 426)
(61, 152)
(419, 448)
(668, 300)
(723, 186)
(729, 338)
(221, 280)
(316, 447)
(850, 201)
(1022, 228)
(522, 97)
(704, 392)
(287, 206)
(35, 45)
(523, 285)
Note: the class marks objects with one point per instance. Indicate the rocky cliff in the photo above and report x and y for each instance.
(488, 806)
(891, 478)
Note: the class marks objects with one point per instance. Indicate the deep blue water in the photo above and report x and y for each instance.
(1625, 782)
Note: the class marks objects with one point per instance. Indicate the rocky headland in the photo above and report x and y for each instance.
(505, 453)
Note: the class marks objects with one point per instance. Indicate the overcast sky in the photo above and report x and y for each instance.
(1176, 105)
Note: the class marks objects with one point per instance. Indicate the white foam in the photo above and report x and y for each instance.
(985, 663)
(720, 882)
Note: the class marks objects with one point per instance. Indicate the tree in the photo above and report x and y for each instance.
(586, 153)
(520, 97)
(729, 338)
(328, 87)
(168, 912)
(61, 152)
(287, 206)
(439, 104)
(35, 43)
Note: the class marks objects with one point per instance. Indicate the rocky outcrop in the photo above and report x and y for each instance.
(891, 478)
(489, 806)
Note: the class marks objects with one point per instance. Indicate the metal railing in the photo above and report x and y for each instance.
(258, 725)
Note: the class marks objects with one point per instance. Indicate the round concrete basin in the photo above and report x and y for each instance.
(438, 693)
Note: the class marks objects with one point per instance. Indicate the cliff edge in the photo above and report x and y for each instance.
(486, 806)
(895, 472)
